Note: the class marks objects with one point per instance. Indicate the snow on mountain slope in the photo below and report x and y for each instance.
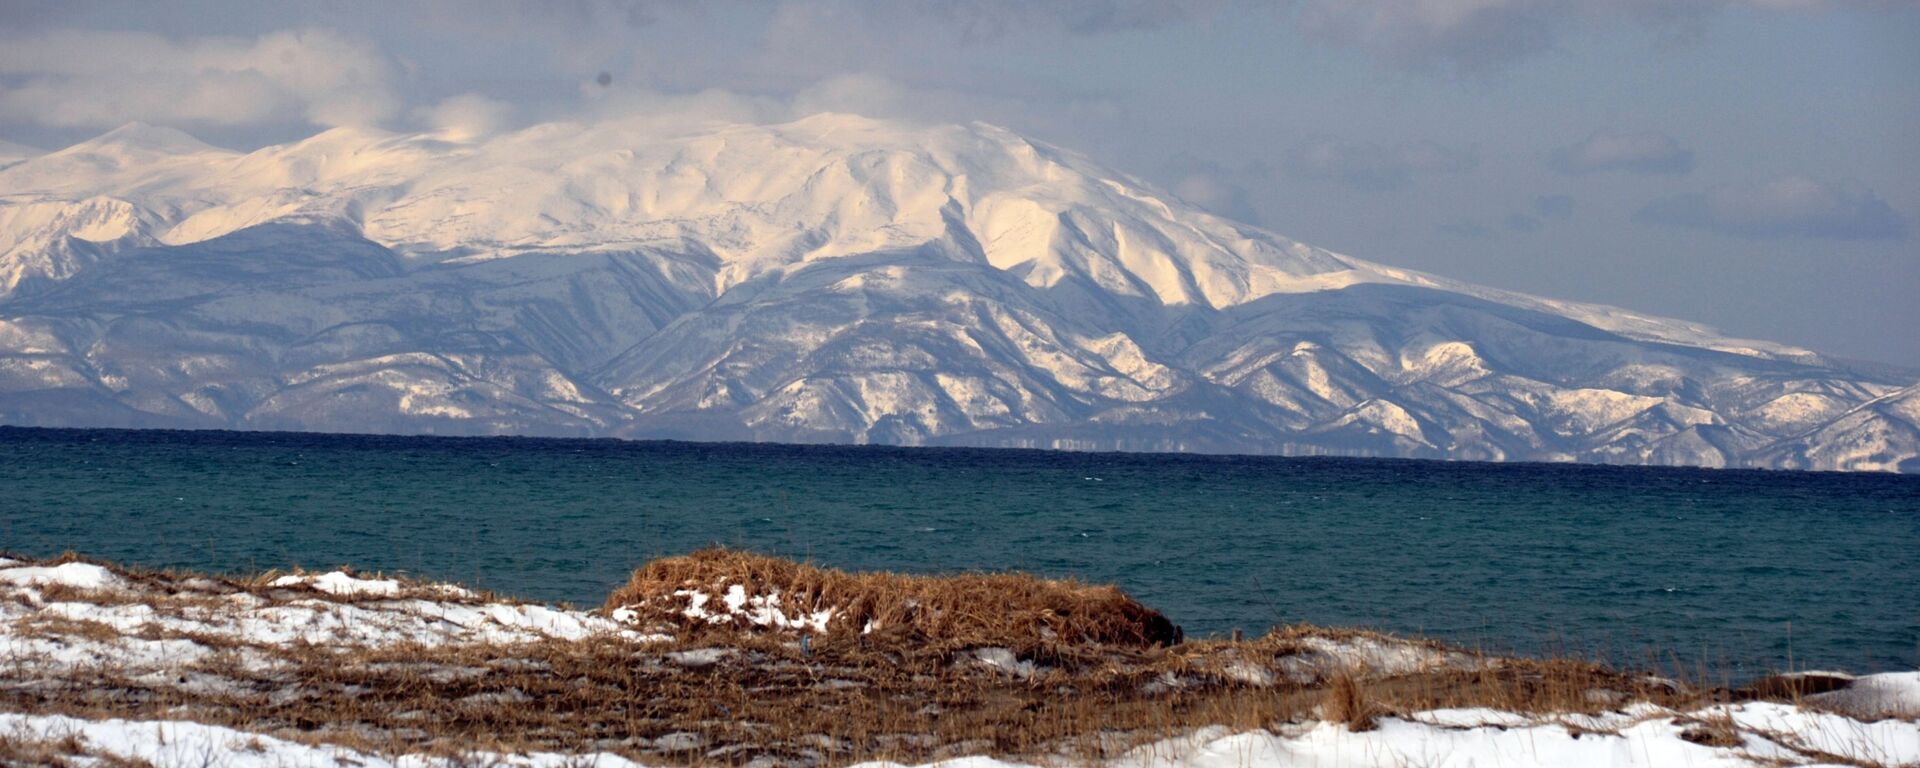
(831, 279)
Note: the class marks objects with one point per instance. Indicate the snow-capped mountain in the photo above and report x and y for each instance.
(831, 279)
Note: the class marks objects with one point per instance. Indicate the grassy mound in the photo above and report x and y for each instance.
(740, 590)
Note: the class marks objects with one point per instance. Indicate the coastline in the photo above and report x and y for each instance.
(739, 659)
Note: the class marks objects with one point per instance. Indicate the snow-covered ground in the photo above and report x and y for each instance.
(1640, 738)
(74, 622)
(294, 609)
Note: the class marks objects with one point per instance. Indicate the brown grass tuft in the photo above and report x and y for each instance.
(977, 609)
(22, 748)
(1346, 702)
(1717, 730)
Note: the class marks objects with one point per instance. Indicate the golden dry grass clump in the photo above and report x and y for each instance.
(979, 609)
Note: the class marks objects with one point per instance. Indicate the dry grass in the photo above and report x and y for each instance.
(1715, 730)
(1347, 703)
(1094, 673)
(22, 748)
(997, 609)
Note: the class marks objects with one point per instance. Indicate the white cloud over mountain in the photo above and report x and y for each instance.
(104, 78)
(467, 116)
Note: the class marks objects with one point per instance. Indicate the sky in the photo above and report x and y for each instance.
(1753, 164)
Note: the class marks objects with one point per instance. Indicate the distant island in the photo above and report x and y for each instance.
(832, 279)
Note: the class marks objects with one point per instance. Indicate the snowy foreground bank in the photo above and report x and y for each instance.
(1638, 737)
(100, 666)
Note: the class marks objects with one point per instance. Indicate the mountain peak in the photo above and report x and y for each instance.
(837, 277)
(348, 134)
(828, 122)
(149, 138)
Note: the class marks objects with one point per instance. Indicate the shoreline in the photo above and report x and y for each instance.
(736, 658)
(268, 436)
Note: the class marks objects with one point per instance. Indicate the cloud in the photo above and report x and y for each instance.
(1783, 207)
(861, 94)
(639, 104)
(1520, 222)
(1642, 152)
(993, 20)
(858, 93)
(75, 78)
(1220, 190)
(1466, 228)
(1553, 206)
(1374, 166)
(467, 116)
(1467, 34)
(1218, 196)
(1544, 207)
(1479, 36)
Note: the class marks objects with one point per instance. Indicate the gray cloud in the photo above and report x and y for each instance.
(1477, 36)
(1467, 34)
(1641, 152)
(1553, 206)
(1375, 166)
(1466, 228)
(894, 29)
(102, 78)
(1544, 207)
(1212, 186)
(1782, 207)
(1520, 222)
(999, 17)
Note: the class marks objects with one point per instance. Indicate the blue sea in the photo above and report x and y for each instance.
(1734, 572)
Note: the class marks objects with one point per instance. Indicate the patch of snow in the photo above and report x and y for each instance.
(76, 575)
(1324, 657)
(1003, 660)
(340, 583)
(149, 623)
(180, 744)
(1786, 729)
(1889, 694)
(736, 604)
(700, 657)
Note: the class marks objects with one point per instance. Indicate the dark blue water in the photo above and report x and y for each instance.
(1737, 570)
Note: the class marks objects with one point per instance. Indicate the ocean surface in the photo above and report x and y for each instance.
(1729, 572)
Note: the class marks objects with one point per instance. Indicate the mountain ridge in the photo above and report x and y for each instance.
(833, 279)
